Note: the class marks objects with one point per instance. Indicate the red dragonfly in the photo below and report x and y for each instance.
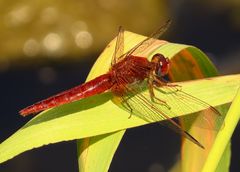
(128, 75)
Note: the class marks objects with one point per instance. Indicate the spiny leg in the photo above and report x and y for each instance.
(161, 82)
(152, 94)
(128, 106)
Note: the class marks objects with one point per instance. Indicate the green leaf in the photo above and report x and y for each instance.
(100, 124)
(223, 138)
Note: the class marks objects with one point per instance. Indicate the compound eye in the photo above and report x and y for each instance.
(165, 65)
(162, 64)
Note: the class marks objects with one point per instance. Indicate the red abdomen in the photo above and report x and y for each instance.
(93, 87)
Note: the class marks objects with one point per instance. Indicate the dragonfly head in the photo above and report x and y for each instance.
(162, 64)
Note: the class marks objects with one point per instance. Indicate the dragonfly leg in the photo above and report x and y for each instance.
(128, 106)
(153, 97)
(160, 82)
(131, 110)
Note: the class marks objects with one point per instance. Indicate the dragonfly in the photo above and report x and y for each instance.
(127, 77)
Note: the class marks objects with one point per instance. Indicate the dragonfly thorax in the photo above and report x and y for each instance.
(129, 71)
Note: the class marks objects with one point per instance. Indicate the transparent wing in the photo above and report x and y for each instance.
(178, 102)
(140, 47)
(119, 47)
(209, 117)
(149, 40)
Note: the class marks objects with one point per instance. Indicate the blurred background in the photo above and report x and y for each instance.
(50, 46)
